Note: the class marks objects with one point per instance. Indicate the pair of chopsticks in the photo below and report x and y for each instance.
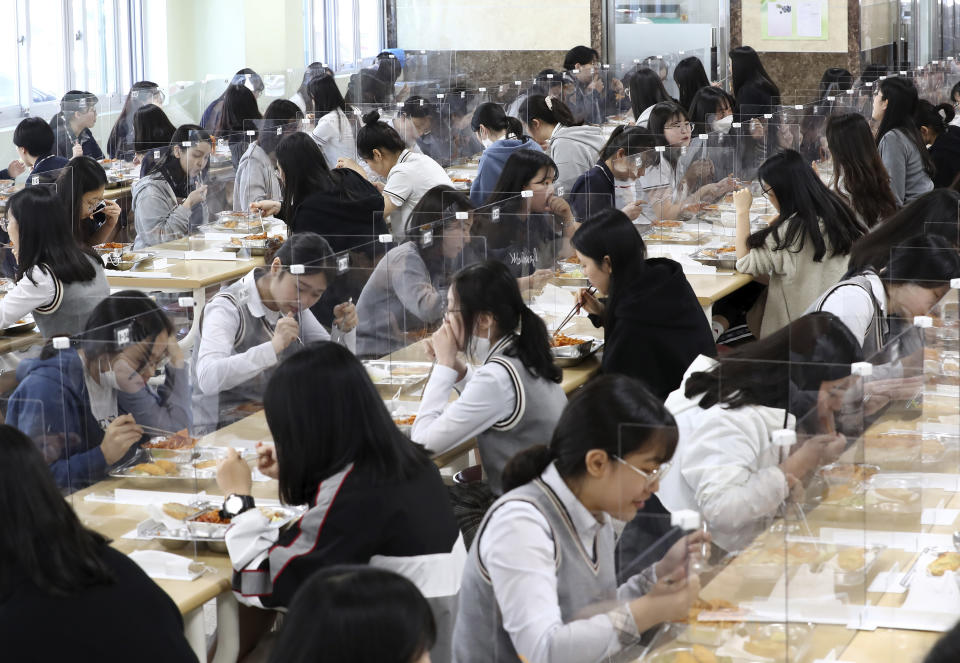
(573, 312)
(152, 429)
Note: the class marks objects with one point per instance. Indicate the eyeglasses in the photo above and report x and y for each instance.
(681, 126)
(651, 476)
(765, 191)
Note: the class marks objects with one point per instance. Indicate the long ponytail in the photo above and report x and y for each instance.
(526, 466)
(549, 110)
(488, 287)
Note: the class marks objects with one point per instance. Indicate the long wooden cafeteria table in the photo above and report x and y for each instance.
(182, 273)
(114, 520)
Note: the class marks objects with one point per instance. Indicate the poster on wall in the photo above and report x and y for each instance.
(794, 19)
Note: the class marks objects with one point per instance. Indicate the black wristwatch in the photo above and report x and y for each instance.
(235, 504)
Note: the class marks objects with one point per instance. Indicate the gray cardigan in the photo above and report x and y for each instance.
(159, 217)
(256, 179)
(905, 167)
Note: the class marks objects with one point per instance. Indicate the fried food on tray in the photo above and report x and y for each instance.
(148, 468)
(179, 440)
(852, 559)
(205, 464)
(178, 511)
(405, 421)
(562, 341)
(946, 561)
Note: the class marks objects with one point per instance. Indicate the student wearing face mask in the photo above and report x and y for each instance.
(877, 305)
(72, 125)
(712, 112)
(500, 136)
(540, 584)
(83, 406)
(167, 204)
(612, 182)
(81, 185)
(407, 291)
(408, 175)
(251, 326)
(513, 399)
(57, 280)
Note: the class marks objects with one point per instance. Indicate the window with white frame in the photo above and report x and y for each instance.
(344, 33)
(51, 46)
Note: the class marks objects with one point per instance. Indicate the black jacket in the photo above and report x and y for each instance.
(657, 328)
(348, 218)
(945, 153)
(754, 99)
(132, 619)
(593, 192)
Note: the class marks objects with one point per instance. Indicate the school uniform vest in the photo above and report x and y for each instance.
(67, 313)
(539, 403)
(582, 579)
(213, 411)
(879, 327)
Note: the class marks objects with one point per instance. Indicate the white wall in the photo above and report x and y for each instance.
(489, 25)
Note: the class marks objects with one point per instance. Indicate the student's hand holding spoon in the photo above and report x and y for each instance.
(77, 149)
(286, 332)
(265, 207)
(345, 316)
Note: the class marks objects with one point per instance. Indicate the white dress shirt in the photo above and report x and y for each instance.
(219, 368)
(27, 296)
(517, 549)
(486, 396)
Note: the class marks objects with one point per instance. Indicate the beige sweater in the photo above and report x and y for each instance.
(795, 279)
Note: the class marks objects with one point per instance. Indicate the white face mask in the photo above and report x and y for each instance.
(479, 348)
(723, 125)
(486, 142)
(109, 379)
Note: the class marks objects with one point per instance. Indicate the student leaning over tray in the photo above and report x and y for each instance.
(540, 582)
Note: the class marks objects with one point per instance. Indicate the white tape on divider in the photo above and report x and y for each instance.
(156, 154)
(483, 89)
(955, 284)
(279, 131)
(784, 437)
(549, 76)
(518, 83)
(35, 180)
(526, 194)
(186, 302)
(703, 136)
(768, 116)
(660, 148)
(559, 192)
(440, 96)
(495, 214)
(861, 369)
(922, 321)
(251, 132)
(296, 269)
(60, 342)
(902, 73)
(831, 98)
(685, 519)
(385, 238)
(798, 107)
(736, 125)
(186, 143)
(462, 216)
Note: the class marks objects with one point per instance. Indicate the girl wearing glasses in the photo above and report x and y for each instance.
(727, 465)
(513, 398)
(664, 182)
(253, 325)
(81, 186)
(806, 247)
(572, 145)
(83, 406)
(544, 554)
(57, 279)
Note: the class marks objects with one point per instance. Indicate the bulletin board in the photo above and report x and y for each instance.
(786, 26)
(794, 19)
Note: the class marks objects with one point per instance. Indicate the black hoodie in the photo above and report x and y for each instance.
(657, 328)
